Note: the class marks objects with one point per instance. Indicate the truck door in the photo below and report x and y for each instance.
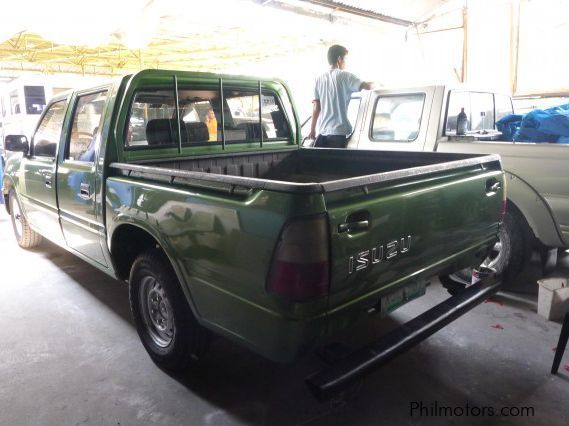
(77, 180)
(39, 196)
(396, 120)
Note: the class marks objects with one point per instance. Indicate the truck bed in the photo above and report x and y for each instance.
(389, 218)
(301, 170)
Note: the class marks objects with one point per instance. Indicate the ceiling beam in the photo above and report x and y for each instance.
(361, 12)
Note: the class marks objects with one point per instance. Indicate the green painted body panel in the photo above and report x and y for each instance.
(222, 247)
(429, 222)
(38, 199)
(221, 243)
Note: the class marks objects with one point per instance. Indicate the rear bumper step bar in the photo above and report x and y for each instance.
(342, 373)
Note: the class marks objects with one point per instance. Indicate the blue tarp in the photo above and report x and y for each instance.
(549, 125)
(509, 126)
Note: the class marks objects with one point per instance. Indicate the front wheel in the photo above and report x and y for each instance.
(164, 321)
(507, 257)
(25, 236)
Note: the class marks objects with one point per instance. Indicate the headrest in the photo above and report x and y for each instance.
(280, 123)
(252, 131)
(197, 132)
(159, 132)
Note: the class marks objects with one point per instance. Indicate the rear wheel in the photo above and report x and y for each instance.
(25, 236)
(507, 257)
(165, 323)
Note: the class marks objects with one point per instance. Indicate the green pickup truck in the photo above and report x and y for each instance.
(192, 187)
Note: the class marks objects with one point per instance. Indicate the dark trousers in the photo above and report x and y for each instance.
(331, 141)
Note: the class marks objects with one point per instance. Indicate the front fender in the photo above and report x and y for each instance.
(11, 177)
(7, 184)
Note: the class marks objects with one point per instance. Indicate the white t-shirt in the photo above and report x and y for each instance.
(333, 89)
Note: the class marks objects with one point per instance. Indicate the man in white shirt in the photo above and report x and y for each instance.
(332, 92)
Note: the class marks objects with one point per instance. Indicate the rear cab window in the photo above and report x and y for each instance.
(479, 110)
(207, 117)
(503, 105)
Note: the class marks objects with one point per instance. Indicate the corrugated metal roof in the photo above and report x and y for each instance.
(409, 10)
(221, 35)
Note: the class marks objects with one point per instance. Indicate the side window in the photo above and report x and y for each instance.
(47, 135)
(397, 118)
(242, 117)
(503, 105)
(85, 128)
(151, 119)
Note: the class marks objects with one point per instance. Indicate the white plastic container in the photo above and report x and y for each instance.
(553, 298)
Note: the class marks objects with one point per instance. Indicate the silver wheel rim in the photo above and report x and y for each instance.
(494, 256)
(156, 312)
(464, 276)
(17, 218)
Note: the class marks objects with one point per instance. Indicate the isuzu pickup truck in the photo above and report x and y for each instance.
(192, 187)
(425, 119)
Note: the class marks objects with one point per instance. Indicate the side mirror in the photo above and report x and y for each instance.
(17, 143)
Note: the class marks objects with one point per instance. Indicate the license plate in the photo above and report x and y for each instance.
(398, 298)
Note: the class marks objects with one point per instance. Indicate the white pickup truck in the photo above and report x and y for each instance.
(425, 119)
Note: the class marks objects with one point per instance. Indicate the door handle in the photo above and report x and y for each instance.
(47, 181)
(492, 186)
(360, 225)
(85, 191)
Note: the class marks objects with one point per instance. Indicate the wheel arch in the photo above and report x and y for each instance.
(534, 209)
(128, 241)
(7, 186)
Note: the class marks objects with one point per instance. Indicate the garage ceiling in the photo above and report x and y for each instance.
(412, 11)
(105, 38)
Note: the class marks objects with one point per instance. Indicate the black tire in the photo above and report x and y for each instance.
(508, 257)
(164, 321)
(25, 236)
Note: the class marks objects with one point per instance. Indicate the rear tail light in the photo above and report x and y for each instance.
(301, 263)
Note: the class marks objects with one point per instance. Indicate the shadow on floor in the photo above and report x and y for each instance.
(113, 293)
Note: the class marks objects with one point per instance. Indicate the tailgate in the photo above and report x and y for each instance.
(386, 233)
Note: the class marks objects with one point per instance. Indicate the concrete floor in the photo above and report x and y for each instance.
(69, 354)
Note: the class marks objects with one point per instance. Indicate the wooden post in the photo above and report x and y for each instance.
(514, 45)
(464, 73)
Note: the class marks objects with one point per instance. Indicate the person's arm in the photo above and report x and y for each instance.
(355, 84)
(315, 115)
